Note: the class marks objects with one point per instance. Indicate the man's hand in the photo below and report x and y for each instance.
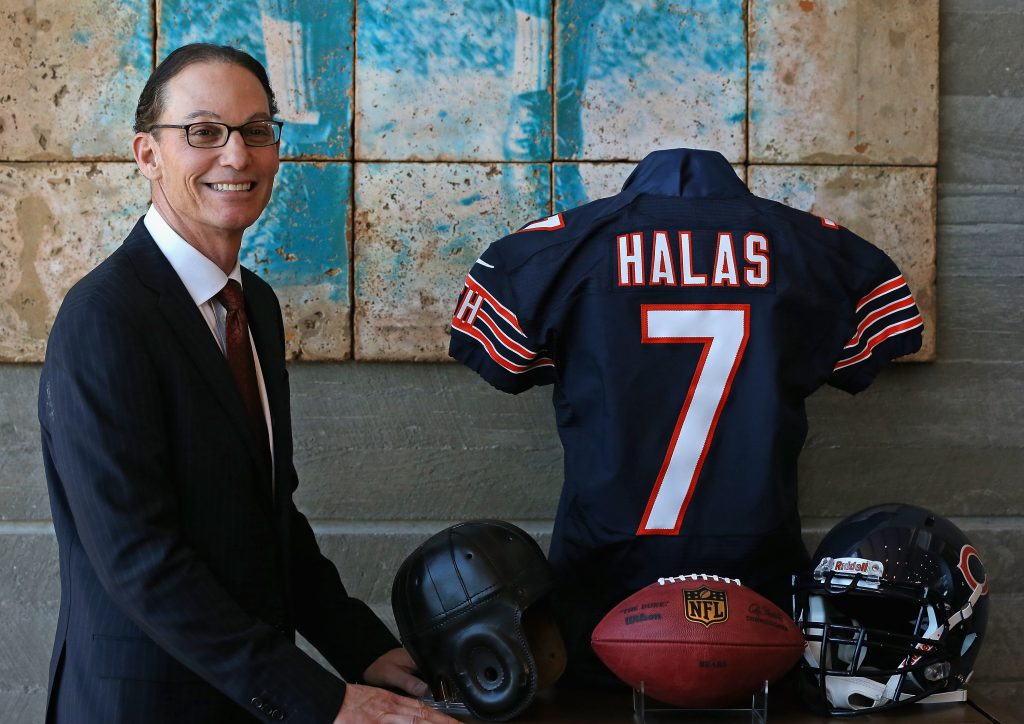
(394, 669)
(370, 705)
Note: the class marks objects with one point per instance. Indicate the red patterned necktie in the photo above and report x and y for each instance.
(239, 353)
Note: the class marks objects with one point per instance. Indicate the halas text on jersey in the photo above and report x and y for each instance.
(666, 258)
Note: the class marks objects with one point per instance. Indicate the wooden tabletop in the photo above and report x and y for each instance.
(607, 707)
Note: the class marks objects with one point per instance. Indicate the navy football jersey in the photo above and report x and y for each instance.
(682, 323)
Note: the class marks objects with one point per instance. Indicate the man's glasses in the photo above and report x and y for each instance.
(210, 134)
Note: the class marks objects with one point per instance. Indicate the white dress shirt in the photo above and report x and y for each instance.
(203, 279)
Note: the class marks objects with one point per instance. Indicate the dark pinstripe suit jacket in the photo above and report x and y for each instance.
(182, 582)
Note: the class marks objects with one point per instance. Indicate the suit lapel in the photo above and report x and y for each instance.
(193, 333)
(266, 334)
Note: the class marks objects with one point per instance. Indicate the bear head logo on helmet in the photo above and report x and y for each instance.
(471, 608)
(894, 612)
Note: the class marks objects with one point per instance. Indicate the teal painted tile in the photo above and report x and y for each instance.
(453, 81)
(300, 246)
(71, 77)
(306, 48)
(844, 82)
(418, 230)
(635, 77)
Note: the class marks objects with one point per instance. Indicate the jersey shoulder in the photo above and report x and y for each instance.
(548, 234)
(803, 222)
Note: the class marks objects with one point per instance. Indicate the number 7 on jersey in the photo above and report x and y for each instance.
(722, 331)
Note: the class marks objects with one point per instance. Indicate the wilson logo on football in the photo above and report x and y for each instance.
(705, 606)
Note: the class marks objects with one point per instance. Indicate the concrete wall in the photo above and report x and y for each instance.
(413, 177)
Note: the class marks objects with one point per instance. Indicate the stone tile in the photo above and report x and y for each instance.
(576, 184)
(22, 484)
(306, 48)
(893, 208)
(29, 562)
(579, 183)
(300, 246)
(26, 704)
(57, 221)
(26, 639)
(844, 81)
(445, 443)
(71, 77)
(635, 77)
(471, 83)
(418, 230)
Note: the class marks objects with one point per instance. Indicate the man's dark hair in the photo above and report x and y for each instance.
(151, 101)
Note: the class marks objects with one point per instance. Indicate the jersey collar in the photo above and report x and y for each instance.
(686, 173)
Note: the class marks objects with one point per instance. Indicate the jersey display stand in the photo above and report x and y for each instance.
(451, 707)
(645, 713)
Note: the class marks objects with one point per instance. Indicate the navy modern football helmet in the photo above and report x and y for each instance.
(894, 612)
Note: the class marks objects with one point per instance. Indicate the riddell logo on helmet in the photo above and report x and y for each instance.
(848, 566)
(706, 606)
(854, 566)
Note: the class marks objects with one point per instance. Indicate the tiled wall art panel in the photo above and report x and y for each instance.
(557, 100)
(306, 48)
(70, 77)
(893, 208)
(579, 183)
(418, 230)
(301, 246)
(632, 77)
(844, 81)
(57, 221)
(463, 82)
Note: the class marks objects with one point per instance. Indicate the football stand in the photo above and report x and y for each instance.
(647, 711)
(447, 702)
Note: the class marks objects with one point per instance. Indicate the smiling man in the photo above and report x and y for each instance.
(186, 569)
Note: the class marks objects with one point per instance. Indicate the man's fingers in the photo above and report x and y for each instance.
(395, 669)
(423, 714)
(411, 684)
(369, 704)
(420, 714)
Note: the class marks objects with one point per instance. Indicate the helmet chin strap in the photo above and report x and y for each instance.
(847, 692)
(858, 692)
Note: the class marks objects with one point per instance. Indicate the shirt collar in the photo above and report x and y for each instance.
(687, 173)
(201, 277)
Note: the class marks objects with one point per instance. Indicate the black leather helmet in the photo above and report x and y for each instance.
(459, 601)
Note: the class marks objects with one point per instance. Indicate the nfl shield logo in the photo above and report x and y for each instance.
(705, 606)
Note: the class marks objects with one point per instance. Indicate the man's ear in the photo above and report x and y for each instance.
(147, 155)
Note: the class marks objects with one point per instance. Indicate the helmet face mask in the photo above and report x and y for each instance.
(894, 612)
(469, 604)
